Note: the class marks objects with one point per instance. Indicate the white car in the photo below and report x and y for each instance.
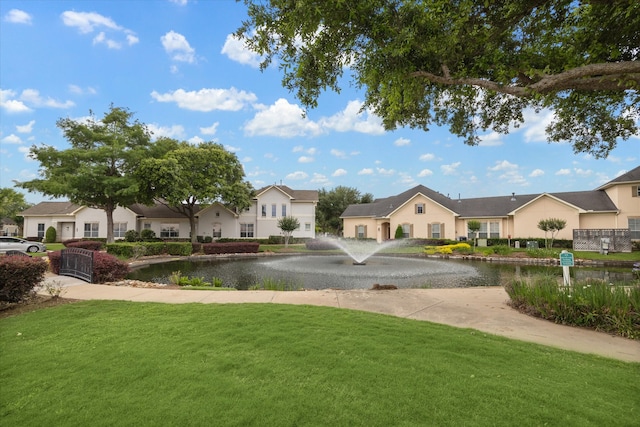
(17, 244)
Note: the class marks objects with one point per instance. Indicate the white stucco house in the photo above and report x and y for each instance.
(259, 221)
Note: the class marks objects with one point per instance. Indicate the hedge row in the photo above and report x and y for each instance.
(92, 245)
(19, 275)
(106, 267)
(230, 248)
(130, 250)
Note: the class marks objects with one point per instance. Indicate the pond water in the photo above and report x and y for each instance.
(337, 271)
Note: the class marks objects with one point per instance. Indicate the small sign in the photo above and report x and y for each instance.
(566, 259)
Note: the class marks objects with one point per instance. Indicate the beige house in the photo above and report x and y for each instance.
(425, 213)
(271, 203)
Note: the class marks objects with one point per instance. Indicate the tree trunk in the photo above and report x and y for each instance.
(192, 224)
(109, 210)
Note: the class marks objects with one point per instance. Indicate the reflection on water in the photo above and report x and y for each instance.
(335, 271)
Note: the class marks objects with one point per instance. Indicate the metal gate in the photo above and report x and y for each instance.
(77, 262)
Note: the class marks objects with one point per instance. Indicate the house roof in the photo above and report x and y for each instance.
(632, 176)
(51, 208)
(297, 195)
(157, 211)
(500, 206)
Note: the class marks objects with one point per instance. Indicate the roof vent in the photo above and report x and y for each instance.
(513, 197)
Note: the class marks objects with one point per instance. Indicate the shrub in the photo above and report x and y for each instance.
(19, 275)
(127, 250)
(178, 248)
(91, 245)
(230, 248)
(131, 236)
(147, 235)
(207, 239)
(399, 232)
(67, 242)
(108, 268)
(50, 235)
(54, 261)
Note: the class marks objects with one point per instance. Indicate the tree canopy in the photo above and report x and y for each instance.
(97, 170)
(332, 203)
(467, 64)
(11, 204)
(288, 224)
(190, 176)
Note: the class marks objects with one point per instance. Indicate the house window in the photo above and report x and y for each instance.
(307, 226)
(246, 230)
(91, 229)
(273, 210)
(482, 233)
(406, 230)
(435, 231)
(361, 231)
(119, 229)
(147, 226)
(494, 229)
(635, 191)
(217, 214)
(169, 230)
(419, 208)
(217, 231)
(284, 210)
(264, 211)
(40, 231)
(634, 228)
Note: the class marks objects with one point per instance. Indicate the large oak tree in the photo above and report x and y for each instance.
(471, 65)
(97, 171)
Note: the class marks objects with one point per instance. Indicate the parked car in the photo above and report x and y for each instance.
(17, 244)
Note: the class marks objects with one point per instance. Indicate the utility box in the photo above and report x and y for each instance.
(482, 242)
(532, 244)
(604, 245)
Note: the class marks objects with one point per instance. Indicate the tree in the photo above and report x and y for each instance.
(288, 225)
(332, 203)
(399, 232)
(188, 177)
(552, 225)
(471, 65)
(474, 227)
(97, 170)
(11, 204)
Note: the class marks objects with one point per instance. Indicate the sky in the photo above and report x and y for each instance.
(176, 66)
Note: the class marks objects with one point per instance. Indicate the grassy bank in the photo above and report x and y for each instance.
(122, 363)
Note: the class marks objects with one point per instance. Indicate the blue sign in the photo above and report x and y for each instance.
(566, 259)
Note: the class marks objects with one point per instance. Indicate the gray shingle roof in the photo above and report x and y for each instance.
(157, 211)
(632, 176)
(297, 195)
(51, 208)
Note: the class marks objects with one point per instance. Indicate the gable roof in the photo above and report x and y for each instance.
(51, 208)
(632, 176)
(157, 211)
(297, 195)
(481, 207)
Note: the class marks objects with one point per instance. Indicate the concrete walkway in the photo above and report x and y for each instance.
(484, 309)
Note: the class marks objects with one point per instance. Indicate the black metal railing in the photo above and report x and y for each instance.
(77, 262)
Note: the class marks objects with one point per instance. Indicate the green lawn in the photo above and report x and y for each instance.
(122, 363)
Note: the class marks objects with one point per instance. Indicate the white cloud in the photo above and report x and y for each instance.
(352, 119)
(12, 105)
(297, 149)
(385, 172)
(338, 153)
(298, 175)
(425, 172)
(536, 173)
(33, 98)
(232, 149)
(492, 139)
(563, 172)
(207, 99)
(246, 159)
(535, 124)
(450, 169)
(503, 165)
(237, 50)
(281, 119)
(583, 172)
(173, 131)
(211, 130)
(195, 140)
(401, 142)
(305, 159)
(180, 2)
(75, 89)
(177, 46)
(88, 22)
(510, 173)
(366, 171)
(12, 139)
(17, 16)
(339, 172)
(26, 128)
(427, 157)
(319, 178)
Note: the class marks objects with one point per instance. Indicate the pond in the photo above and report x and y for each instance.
(337, 271)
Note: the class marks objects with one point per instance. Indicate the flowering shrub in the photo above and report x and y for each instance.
(107, 268)
(230, 247)
(91, 245)
(19, 275)
(448, 249)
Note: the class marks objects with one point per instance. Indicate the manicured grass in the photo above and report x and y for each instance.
(122, 363)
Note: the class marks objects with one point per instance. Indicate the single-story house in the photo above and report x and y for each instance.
(8, 227)
(425, 213)
(217, 221)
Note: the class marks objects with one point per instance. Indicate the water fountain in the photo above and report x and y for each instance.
(360, 250)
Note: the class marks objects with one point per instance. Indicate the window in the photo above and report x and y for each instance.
(40, 231)
(273, 210)
(361, 231)
(119, 229)
(284, 209)
(634, 228)
(419, 208)
(246, 230)
(217, 231)
(264, 211)
(169, 230)
(307, 226)
(494, 229)
(635, 191)
(91, 229)
(147, 226)
(406, 230)
(435, 231)
(217, 214)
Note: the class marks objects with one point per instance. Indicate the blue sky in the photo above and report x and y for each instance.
(176, 66)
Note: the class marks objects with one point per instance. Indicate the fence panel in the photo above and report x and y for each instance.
(77, 262)
(591, 239)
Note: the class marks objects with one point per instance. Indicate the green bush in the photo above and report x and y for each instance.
(19, 275)
(147, 235)
(131, 236)
(399, 232)
(50, 235)
(92, 245)
(179, 248)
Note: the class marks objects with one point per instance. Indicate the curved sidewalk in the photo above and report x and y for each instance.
(484, 309)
